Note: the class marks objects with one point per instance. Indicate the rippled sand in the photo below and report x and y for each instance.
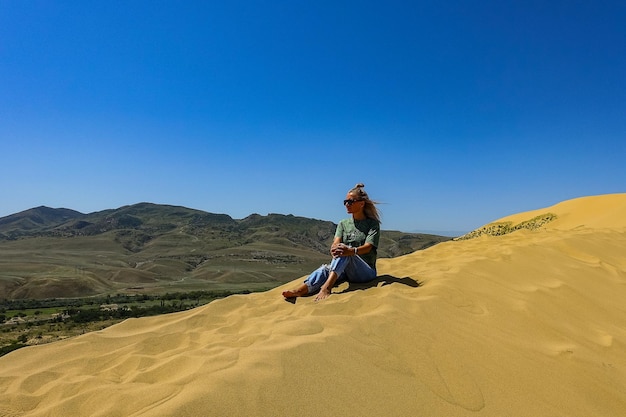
(530, 323)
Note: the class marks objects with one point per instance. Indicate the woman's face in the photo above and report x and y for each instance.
(352, 203)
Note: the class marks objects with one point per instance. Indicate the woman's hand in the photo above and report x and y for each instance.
(341, 250)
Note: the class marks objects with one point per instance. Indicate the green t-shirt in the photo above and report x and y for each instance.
(359, 232)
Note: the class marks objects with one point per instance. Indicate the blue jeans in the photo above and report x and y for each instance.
(348, 268)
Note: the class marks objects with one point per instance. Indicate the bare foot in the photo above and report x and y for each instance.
(298, 292)
(322, 295)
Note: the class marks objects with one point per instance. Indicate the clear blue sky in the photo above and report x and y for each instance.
(453, 113)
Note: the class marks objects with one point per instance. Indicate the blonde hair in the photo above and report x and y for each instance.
(370, 210)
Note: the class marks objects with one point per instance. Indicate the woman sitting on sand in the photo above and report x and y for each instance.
(353, 249)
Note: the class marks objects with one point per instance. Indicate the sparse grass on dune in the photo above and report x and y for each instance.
(506, 227)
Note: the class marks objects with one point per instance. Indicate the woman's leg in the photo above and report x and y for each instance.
(353, 268)
(311, 285)
(359, 271)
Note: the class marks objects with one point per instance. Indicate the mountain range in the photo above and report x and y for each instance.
(150, 248)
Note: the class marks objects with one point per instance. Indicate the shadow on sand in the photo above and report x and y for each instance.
(379, 281)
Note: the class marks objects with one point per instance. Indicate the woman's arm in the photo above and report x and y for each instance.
(335, 245)
(339, 249)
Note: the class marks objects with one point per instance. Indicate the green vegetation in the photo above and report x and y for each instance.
(503, 228)
(29, 322)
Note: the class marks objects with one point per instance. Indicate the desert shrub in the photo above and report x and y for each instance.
(503, 228)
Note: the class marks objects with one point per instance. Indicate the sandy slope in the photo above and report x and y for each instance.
(532, 323)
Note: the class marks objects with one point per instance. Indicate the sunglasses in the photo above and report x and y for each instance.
(350, 202)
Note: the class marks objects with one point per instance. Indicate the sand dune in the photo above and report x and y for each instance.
(531, 323)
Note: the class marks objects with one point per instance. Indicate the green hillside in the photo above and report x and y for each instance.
(153, 249)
